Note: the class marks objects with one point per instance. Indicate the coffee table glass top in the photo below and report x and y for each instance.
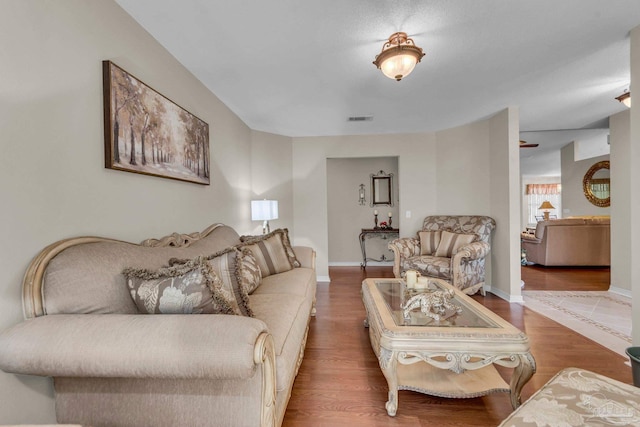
(395, 293)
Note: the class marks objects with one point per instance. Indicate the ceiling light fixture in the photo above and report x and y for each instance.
(398, 57)
(625, 98)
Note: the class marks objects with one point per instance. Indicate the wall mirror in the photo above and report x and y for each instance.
(596, 184)
(382, 189)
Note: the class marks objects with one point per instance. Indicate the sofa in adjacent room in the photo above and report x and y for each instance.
(227, 354)
(579, 241)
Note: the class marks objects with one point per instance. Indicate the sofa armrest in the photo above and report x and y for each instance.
(402, 248)
(469, 280)
(133, 346)
(306, 256)
(405, 246)
(529, 238)
(475, 250)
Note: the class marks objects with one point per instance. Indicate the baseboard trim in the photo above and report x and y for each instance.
(323, 279)
(624, 292)
(359, 264)
(505, 296)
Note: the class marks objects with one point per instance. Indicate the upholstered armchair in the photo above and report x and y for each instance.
(449, 247)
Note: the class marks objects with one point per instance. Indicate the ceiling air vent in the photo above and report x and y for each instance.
(360, 119)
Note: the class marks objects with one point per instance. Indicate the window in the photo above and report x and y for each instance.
(538, 193)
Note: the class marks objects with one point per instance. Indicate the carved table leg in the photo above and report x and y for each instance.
(388, 364)
(521, 374)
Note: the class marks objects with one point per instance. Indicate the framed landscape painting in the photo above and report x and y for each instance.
(147, 133)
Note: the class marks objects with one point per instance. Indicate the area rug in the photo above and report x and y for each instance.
(604, 317)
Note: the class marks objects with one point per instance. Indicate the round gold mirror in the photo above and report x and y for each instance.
(596, 184)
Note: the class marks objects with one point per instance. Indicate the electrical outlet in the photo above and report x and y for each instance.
(407, 214)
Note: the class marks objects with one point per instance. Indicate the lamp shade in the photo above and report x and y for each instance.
(546, 205)
(264, 210)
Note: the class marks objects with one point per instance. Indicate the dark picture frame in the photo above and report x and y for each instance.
(147, 133)
(381, 189)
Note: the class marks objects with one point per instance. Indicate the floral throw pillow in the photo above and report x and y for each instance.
(189, 288)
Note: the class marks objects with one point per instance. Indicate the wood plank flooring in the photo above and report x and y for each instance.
(539, 278)
(340, 382)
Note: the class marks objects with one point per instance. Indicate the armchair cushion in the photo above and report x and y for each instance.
(191, 288)
(429, 241)
(451, 242)
(431, 266)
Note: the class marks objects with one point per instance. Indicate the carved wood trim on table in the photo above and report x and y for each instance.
(455, 361)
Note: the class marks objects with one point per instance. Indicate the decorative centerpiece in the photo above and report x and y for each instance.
(432, 304)
(385, 225)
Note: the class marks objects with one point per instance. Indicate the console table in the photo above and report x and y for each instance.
(369, 233)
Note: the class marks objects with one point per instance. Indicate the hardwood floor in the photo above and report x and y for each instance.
(539, 278)
(340, 382)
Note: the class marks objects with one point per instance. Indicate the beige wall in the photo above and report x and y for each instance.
(271, 160)
(462, 175)
(504, 181)
(346, 218)
(416, 178)
(619, 126)
(574, 203)
(52, 177)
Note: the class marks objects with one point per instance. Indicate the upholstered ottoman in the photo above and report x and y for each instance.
(575, 397)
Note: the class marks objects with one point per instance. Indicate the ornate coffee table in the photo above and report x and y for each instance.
(452, 357)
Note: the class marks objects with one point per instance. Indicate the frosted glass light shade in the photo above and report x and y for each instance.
(264, 210)
(398, 66)
(398, 57)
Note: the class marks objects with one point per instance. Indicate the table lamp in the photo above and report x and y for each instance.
(264, 210)
(546, 205)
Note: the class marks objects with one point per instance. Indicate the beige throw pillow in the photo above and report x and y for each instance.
(429, 241)
(451, 242)
(228, 266)
(273, 252)
(189, 288)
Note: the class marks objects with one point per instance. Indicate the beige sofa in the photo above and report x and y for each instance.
(580, 241)
(114, 367)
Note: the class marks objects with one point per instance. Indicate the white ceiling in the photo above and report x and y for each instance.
(301, 68)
